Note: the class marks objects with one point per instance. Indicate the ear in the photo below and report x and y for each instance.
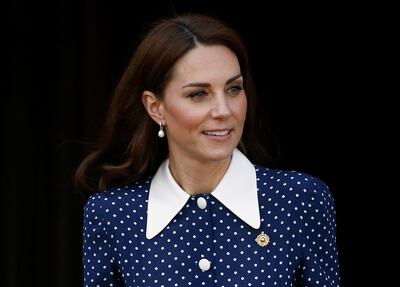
(153, 106)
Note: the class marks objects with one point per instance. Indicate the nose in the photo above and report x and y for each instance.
(220, 107)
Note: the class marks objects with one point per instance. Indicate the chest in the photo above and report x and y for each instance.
(207, 245)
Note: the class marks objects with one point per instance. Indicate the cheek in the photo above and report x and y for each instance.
(241, 108)
(184, 116)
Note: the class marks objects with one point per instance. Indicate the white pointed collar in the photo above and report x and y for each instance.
(237, 190)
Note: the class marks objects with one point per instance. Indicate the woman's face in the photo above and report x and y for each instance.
(204, 105)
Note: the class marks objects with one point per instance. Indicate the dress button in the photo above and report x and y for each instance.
(204, 264)
(201, 202)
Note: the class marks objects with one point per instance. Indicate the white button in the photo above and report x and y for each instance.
(204, 264)
(201, 202)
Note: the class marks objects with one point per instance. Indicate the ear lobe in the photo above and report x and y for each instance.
(153, 106)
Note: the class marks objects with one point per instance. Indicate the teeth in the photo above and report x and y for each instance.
(221, 133)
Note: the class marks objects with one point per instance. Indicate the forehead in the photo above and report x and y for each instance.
(206, 64)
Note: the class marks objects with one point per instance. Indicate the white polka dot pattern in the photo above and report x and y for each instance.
(297, 213)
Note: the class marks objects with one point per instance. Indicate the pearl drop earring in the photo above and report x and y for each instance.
(161, 132)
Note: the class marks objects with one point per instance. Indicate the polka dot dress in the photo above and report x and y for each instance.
(207, 245)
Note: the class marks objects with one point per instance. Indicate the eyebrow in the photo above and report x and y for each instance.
(205, 85)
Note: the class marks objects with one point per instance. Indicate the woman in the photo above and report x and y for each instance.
(181, 197)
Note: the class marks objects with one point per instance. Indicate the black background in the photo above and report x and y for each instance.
(317, 69)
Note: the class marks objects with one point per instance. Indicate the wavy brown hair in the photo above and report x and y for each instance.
(129, 149)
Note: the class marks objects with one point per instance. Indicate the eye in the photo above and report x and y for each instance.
(197, 96)
(235, 90)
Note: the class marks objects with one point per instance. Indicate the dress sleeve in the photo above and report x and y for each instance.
(321, 266)
(98, 266)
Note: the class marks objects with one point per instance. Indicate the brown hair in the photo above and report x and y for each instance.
(129, 149)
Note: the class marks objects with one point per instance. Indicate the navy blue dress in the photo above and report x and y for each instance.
(278, 231)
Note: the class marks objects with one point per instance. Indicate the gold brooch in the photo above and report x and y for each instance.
(262, 239)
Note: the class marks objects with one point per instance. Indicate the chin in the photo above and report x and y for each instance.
(217, 154)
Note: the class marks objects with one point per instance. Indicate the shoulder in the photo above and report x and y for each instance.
(289, 178)
(118, 197)
(293, 185)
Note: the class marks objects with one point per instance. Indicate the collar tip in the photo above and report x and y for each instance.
(256, 225)
(150, 235)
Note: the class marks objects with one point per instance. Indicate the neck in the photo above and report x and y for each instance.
(197, 177)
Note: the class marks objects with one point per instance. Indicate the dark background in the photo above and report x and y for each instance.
(317, 70)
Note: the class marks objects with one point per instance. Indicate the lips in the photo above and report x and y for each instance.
(219, 132)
